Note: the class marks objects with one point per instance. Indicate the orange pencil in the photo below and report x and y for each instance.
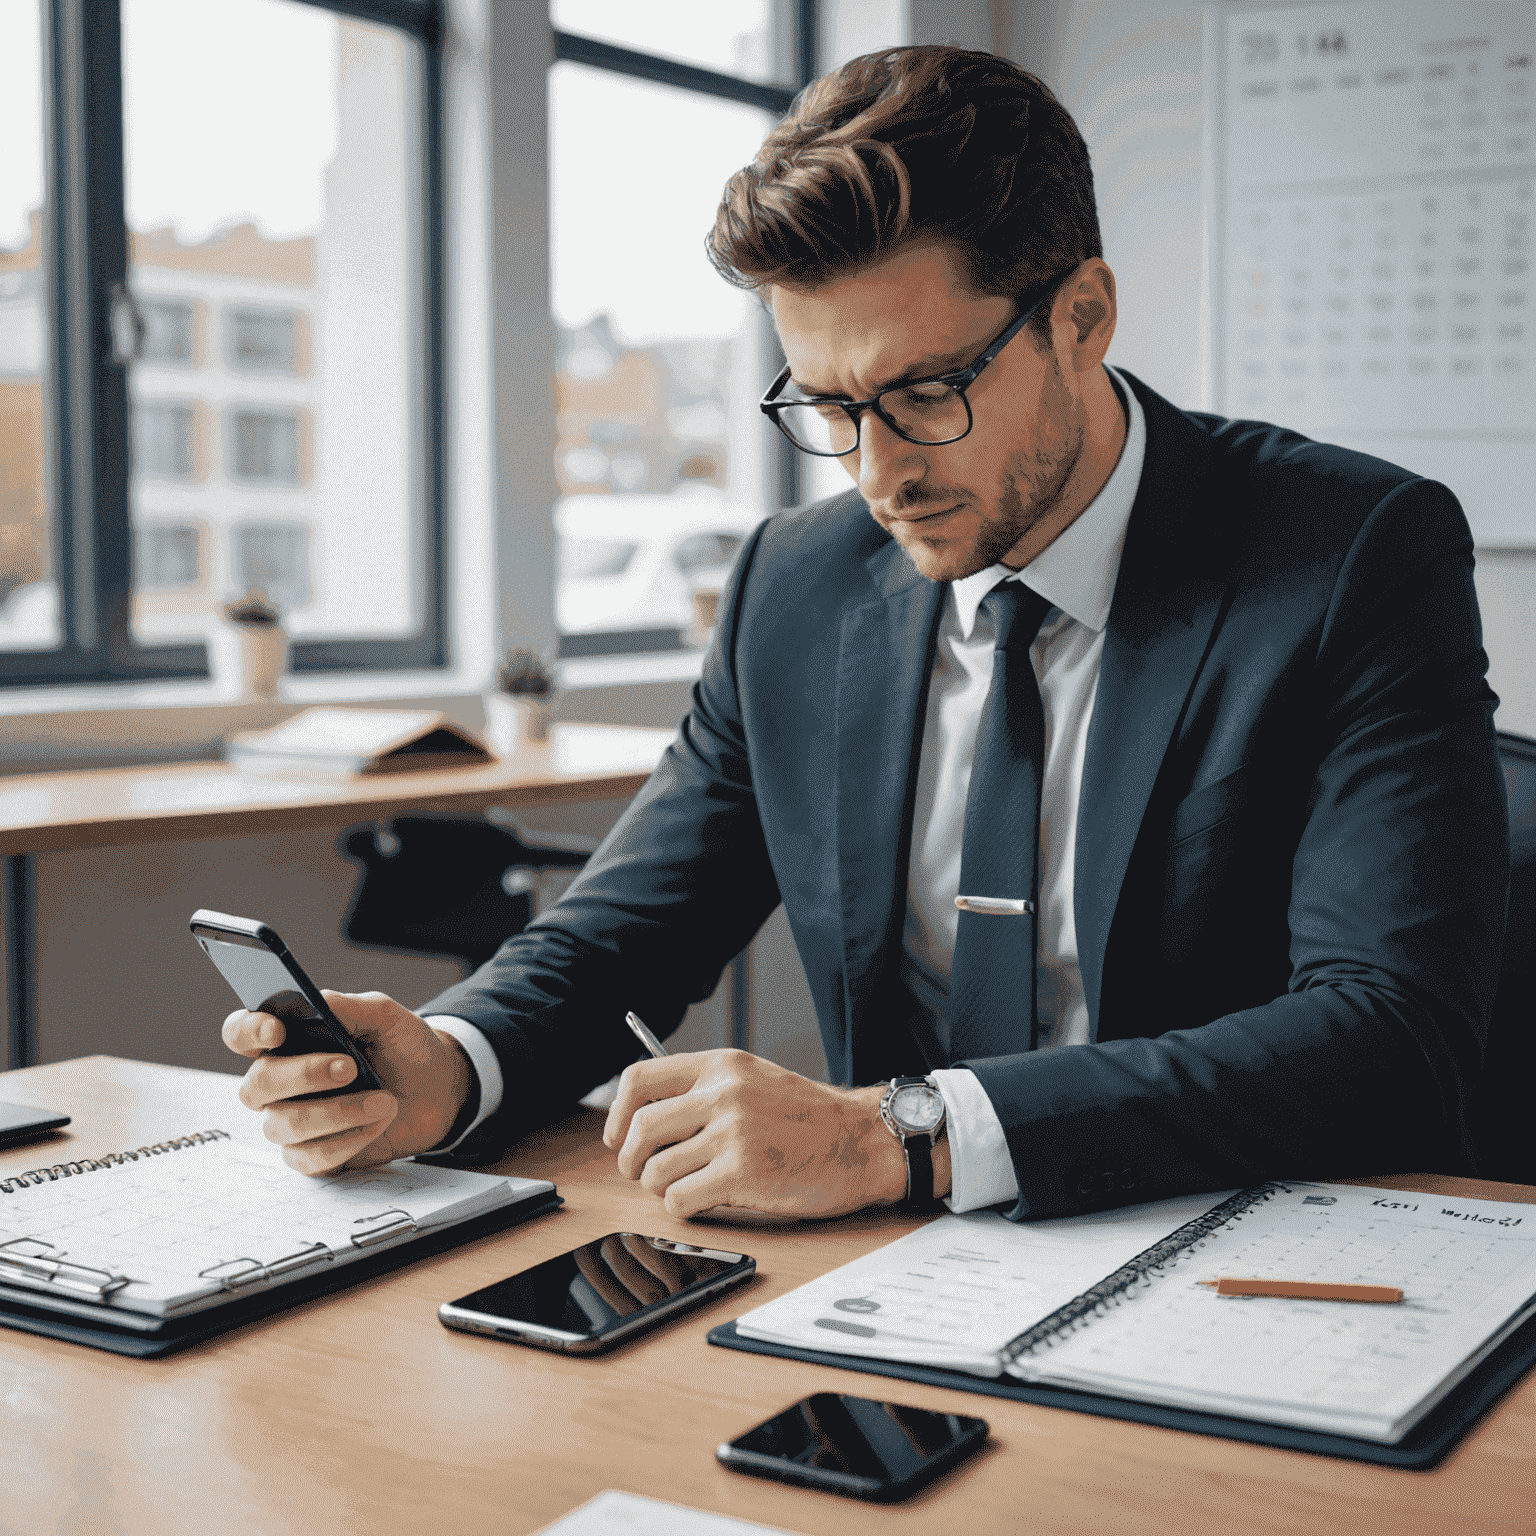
(1303, 1290)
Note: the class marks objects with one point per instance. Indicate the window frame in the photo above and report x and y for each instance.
(578, 48)
(87, 426)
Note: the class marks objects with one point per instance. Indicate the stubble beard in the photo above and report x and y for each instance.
(1032, 486)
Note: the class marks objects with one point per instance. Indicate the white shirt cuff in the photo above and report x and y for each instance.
(486, 1068)
(980, 1169)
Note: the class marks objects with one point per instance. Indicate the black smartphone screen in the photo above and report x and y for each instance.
(267, 979)
(885, 1446)
(591, 1288)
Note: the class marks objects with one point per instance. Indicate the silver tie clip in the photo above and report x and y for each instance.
(995, 906)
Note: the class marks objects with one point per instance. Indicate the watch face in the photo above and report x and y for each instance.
(917, 1107)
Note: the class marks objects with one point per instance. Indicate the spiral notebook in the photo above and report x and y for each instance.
(1112, 1304)
(138, 1241)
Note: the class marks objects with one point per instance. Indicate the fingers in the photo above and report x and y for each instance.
(708, 1186)
(296, 1123)
(659, 1125)
(662, 1169)
(251, 1034)
(645, 1081)
(321, 1136)
(358, 1148)
(271, 1079)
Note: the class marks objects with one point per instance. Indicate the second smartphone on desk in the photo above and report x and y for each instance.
(599, 1294)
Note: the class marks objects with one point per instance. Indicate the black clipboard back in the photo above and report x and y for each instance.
(1424, 1446)
(176, 1335)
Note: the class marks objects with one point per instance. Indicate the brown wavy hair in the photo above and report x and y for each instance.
(908, 145)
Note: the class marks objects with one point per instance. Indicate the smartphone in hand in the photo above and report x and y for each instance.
(592, 1297)
(267, 979)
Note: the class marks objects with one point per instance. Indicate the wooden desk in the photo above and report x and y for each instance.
(116, 807)
(360, 1413)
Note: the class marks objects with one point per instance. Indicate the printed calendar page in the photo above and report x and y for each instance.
(1374, 228)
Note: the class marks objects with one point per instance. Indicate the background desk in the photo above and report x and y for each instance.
(360, 1413)
(119, 807)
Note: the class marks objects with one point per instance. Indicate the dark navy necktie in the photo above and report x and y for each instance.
(992, 983)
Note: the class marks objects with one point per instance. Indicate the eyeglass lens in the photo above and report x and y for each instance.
(922, 413)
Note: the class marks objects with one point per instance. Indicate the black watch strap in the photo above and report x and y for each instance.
(919, 1152)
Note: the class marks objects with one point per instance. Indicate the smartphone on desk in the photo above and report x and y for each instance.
(599, 1294)
(267, 979)
(854, 1445)
(25, 1122)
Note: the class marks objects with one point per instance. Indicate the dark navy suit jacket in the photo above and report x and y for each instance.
(1291, 854)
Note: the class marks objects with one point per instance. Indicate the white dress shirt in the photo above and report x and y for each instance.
(1077, 574)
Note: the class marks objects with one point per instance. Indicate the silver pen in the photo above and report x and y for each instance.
(644, 1036)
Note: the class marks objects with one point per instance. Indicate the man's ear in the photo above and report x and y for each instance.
(1087, 304)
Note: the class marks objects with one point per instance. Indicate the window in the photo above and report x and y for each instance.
(244, 200)
(167, 331)
(162, 440)
(168, 556)
(263, 340)
(273, 559)
(663, 462)
(29, 607)
(264, 447)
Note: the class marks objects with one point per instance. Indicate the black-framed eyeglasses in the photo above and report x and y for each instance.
(930, 412)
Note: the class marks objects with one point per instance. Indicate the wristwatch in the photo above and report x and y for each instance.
(913, 1110)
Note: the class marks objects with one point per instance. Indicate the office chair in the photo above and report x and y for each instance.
(448, 885)
(1504, 1115)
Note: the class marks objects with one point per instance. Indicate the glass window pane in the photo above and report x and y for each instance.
(29, 603)
(661, 451)
(731, 36)
(272, 151)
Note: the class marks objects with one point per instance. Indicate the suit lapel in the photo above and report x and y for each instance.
(1169, 594)
(884, 664)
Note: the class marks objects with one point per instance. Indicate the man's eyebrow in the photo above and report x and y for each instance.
(928, 367)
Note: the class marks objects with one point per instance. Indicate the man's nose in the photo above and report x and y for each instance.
(886, 462)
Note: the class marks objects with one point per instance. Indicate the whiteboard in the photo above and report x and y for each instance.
(1373, 206)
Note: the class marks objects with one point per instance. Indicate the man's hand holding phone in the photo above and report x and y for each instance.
(427, 1081)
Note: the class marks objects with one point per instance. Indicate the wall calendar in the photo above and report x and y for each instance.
(1374, 210)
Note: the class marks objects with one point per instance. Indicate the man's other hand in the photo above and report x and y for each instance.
(426, 1078)
(725, 1128)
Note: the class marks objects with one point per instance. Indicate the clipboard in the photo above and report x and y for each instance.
(87, 1326)
(1423, 1447)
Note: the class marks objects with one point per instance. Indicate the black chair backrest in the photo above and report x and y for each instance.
(1505, 1107)
(446, 885)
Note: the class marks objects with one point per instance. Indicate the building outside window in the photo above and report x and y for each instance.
(168, 556)
(264, 446)
(262, 340)
(154, 186)
(162, 439)
(662, 458)
(167, 331)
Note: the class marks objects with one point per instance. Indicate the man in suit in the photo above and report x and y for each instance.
(1127, 774)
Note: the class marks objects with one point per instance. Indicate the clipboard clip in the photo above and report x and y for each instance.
(387, 1224)
(38, 1272)
(232, 1278)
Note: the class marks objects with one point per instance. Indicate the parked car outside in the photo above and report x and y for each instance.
(630, 566)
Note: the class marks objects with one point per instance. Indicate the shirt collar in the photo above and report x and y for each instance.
(1076, 572)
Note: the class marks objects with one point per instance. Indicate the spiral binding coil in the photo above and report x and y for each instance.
(1111, 1290)
(9, 1186)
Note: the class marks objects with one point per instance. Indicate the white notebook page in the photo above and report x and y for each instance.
(1467, 1269)
(956, 1291)
(164, 1219)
